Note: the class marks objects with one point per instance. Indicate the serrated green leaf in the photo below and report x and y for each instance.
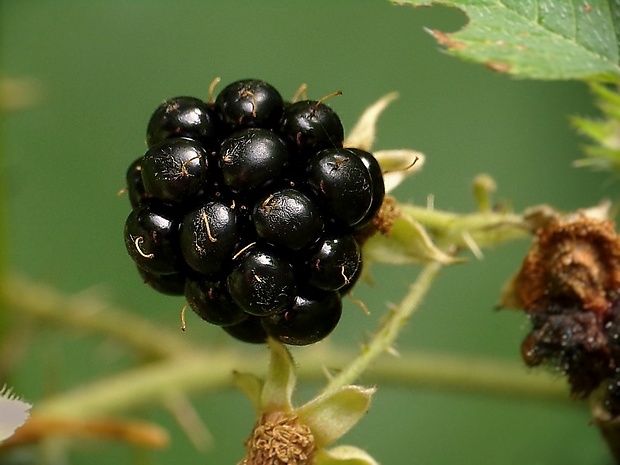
(540, 39)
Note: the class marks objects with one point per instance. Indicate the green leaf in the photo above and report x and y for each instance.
(604, 151)
(540, 39)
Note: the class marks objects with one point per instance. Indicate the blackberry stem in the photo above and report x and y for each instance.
(181, 364)
(388, 330)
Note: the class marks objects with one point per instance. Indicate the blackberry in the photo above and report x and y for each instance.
(184, 117)
(211, 302)
(174, 170)
(378, 186)
(287, 218)
(208, 237)
(312, 316)
(310, 126)
(334, 262)
(250, 103)
(151, 239)
(135, 186)
(248, 207)
(252, 157)
(342, 183)
(169, 284)
(249, 330)
(262, 283)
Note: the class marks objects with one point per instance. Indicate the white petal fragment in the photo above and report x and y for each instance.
(345, 455)
(330, 416)
(280, 382)
(13, 413)
(362, 136)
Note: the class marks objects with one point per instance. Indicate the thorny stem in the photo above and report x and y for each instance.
(388, 330)
(88, 312)
(181, 367)
(155, 382)
(485, 228)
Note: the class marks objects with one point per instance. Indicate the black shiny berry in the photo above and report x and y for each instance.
(250, 103)
(251, 158)
(249, 206)
(333, 262)
(135, 186)
(249, 330)
(209, 236)
(168, 284)
(342, 183)
(313, 315)
(262, 283)
(352, 280)
(287, 218)
(174, 170)
(378, 184)
(184, 117)
(151, 239)
(210, 301)
(310, 126)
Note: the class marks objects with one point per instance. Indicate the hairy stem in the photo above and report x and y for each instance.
(485, 228)
(388, 330)
(89, 313)
(156, 382)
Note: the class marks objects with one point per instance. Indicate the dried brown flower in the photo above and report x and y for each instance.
(572, 262)
(569, 286)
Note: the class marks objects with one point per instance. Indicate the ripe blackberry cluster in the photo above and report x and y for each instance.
(249, 207)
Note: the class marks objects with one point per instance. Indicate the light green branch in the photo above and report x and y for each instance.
(89, 313)
(487, 229)
(388, 330)
(203, 371)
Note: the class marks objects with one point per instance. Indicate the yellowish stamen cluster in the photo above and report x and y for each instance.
(279, 439)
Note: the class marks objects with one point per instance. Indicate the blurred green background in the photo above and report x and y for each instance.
(103, 67)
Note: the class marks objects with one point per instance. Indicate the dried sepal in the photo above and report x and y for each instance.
(363, 134)
(398, 165)
(402, 241)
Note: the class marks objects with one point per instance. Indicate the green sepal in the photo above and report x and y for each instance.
(330, 416)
